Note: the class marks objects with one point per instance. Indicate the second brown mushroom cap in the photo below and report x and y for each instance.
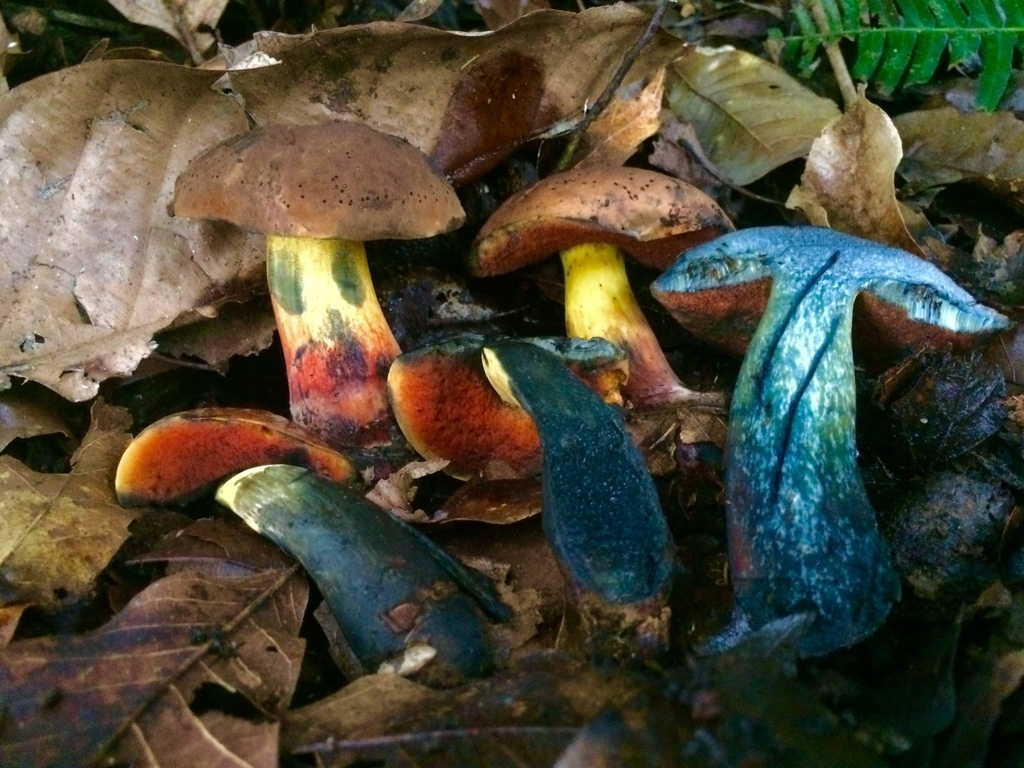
(591, 216)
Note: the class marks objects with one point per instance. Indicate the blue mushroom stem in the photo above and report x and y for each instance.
(801, 532)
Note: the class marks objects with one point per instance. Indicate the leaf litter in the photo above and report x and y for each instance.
(215, 692)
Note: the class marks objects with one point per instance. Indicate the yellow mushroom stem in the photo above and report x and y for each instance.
(600, 303)
(337, 345)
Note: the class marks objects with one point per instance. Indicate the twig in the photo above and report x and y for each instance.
(200, 651)
(835, 57)
(331, 744)
(613, 85)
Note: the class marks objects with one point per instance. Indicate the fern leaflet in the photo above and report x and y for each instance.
(904, 40)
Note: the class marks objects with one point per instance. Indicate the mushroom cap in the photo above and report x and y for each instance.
(651, 216)
(332, 180)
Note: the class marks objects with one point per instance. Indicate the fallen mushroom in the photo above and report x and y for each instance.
(446, 408)
(318, 192)
(592, 216)
(404, 604)
(181, 457)
(802, 534)
(601, 510)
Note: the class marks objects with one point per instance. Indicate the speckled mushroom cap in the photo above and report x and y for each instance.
(332, 180)
(651, 216)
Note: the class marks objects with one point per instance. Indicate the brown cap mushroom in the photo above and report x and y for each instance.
(317, 192)
(591, 216)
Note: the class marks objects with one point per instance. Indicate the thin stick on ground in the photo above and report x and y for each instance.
(613, 85)
(835, 58)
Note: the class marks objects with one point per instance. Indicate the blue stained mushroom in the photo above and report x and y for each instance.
(602, 515)
(802, 534)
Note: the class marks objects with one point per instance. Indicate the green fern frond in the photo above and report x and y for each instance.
(904, 40)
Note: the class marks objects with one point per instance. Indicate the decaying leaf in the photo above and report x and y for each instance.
(522, 717)
(68, 696)
(396, 492)
(417, 10)
(57, 532)
(181, 19)
(498, 13)
(848, 183)
(749, 115)
(465, 100)
(629, 120)
(27, 414)
(218, 547)
(238, 329)
(944, 146)
(91, 265)
(499, 502)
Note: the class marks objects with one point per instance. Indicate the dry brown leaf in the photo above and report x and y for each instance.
(57, 532)
(238, 329)
(218, 547)
(67, 696)
(749, 115)
(457, 97)
(181, 19)
(174, 737)
(537, 706)
(498, 502)
(498, 13)
(630, 119)
(848, 183)
(944, 146)
(396, 492)
(27, 414)
(418, 10)
(91, 265)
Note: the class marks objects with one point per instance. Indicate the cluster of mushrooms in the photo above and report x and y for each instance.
(802, 536)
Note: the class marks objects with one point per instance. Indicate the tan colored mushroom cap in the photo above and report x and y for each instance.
(332, 180)
(651, 216)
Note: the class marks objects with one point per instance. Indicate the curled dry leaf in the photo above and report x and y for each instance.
(238, 329)
(848, 183)
(57, 532)
(498, 13)
(749, 115)
(181, 19)
(219, 547)
(418, 10)
(631, 118)
(27, 414)
(91, 265)
(396, 492)
(944, 146)
(67, 697)
(465, 100)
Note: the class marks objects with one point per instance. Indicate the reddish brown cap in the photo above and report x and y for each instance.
(332, 180)
(651, 216)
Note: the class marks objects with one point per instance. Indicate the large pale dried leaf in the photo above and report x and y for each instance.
(459, 98)
(27, 414)
(181, 19)
(498, 13)
(944, 146)
(630, 119)
(57, 532)
(848, 183)
(68, 696)
(750, 116)
(91, 265)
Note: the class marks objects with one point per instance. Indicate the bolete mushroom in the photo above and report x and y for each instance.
(592, 216)
(317, 192)
(601, 511)
(182, 456)
(802, 535)
(403, 603)
(446, 408)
